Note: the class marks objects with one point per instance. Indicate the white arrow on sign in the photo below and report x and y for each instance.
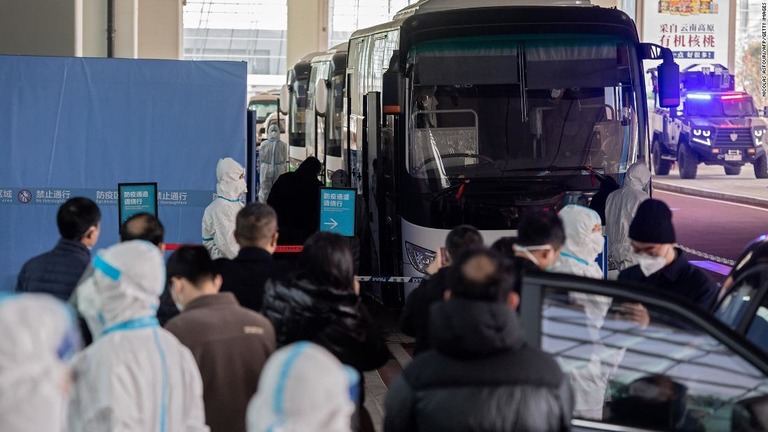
(332, 224)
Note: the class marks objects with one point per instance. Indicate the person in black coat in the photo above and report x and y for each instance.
(321, 303)
(295, 196)
(246, 275)
(57, 272)
(481, 374)
(662, 266)
(414, 320)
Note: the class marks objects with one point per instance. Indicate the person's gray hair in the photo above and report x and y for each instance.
(255, 223)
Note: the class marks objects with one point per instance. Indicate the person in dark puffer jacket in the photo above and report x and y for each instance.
(481, 375)
(320, 303)
(57, 271)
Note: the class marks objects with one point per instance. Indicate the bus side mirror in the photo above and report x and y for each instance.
(321, 97)
(284, 100)
(669, 84)
(668, 73)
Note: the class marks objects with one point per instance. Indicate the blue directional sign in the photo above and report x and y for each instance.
(136, 198)
(337, 210)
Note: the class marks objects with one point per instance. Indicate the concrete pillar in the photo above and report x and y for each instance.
(307, 28)
(160, 29)
(143, 28)
(94, 28)
(38, 27)
(126, 28)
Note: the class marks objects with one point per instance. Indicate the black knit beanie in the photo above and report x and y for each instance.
(652, 223)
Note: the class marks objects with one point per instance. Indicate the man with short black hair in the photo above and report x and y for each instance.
(57, 272)
(481, 374)
(144, 226)
(414, 320)
(246, 274)
(540, 238)
(229, 343)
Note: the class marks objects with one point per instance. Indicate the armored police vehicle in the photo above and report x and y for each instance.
(714, 125)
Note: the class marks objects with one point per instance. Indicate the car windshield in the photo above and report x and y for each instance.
(520, 107)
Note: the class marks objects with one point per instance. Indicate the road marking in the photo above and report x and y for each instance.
(710, 199)
(713, 267)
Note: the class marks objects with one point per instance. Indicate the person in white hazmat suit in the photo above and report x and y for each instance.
(583, 242)
(620, 209)
(136, 376)
(39, 335)
(304, 388)
(219, 217)
(273, 162)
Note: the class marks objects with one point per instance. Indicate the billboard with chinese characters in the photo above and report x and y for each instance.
(695, 30)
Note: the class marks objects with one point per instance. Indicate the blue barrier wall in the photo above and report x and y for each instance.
(77, 127)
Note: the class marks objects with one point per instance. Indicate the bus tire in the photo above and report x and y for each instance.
(688, 162)
(660, 166)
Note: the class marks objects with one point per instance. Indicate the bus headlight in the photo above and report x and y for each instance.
(419, 257)
(758, 133)
(701, 136)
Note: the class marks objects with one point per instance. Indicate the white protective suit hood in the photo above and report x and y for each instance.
(124, 282)
(229, 184)
(620, 208)
(637, 176)
(39, 335)
(273, 162)
(303, 388)
(582, 246)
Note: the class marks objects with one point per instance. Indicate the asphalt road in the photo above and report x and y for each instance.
(715, 227)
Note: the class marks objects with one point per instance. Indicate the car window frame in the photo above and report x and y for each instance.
(745, 321)
(532, 286)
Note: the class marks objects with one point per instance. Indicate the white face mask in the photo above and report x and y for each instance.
(175, 298)
(594, 246)
(527, 251)
(650, 264)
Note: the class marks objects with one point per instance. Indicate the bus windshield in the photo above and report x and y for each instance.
(263, 109)
(502, 107)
